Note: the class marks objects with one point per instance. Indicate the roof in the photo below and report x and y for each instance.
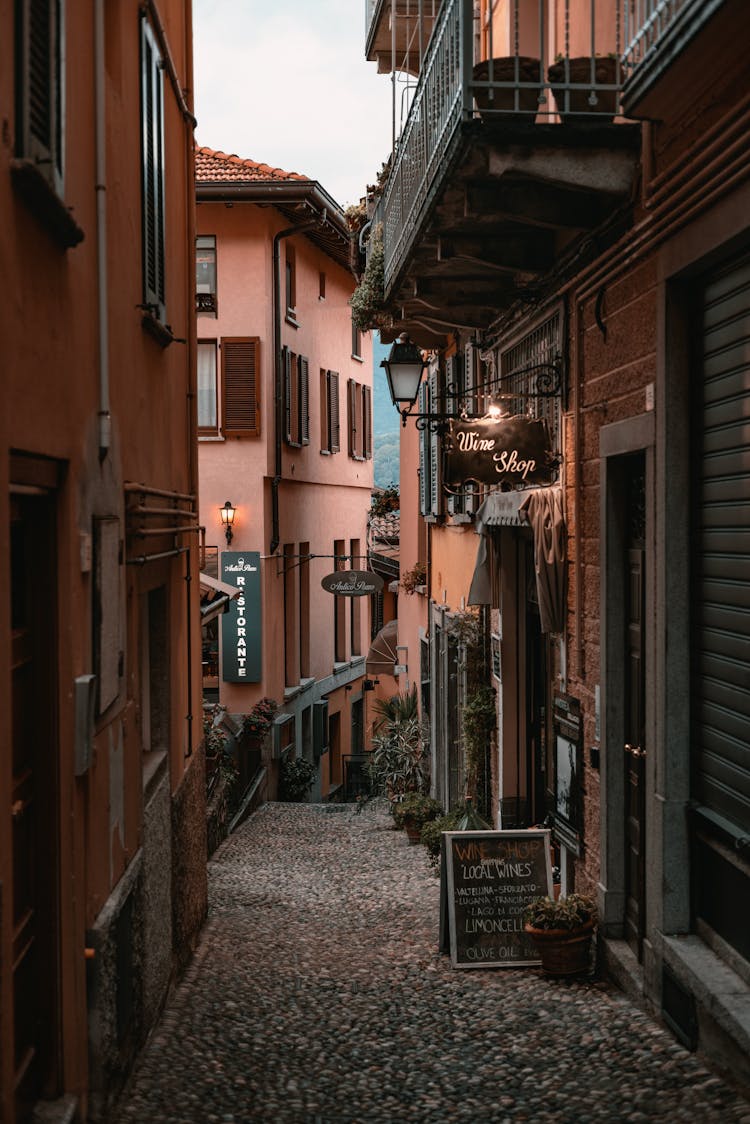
(226, 178)
(215, 167)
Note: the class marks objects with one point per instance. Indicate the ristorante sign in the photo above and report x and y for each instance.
(513, 450)
(241, 624)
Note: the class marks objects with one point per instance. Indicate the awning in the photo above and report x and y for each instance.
(543, 509)
(382, 656)
(215, 597)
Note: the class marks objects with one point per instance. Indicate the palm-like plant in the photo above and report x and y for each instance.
(396, 709)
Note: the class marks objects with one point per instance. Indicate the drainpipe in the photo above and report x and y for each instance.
(278, 375)
(104, 416)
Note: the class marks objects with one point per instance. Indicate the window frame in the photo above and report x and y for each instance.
(290, 285)
(206, 300)
(153, 234)
(47, 155)
(209, 430)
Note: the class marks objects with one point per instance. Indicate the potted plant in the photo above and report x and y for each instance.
(562, 932)
(577, 93)
(398, 759)
(413, 812)
(511, 71)
(414, 580)
(296, 780)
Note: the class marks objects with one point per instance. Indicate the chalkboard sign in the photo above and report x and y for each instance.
(491, 877)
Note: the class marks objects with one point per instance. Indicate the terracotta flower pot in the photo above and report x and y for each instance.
(413, 829)
(578, 104)
(564, 952)
(504, 98)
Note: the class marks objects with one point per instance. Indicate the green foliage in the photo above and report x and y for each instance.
(368, 299)
(385, 457)
(479, 720)
(385, 501)
(433, 829)
(396, 709)
(296, 779)
(416, 809)
(414, 578)
(258, 722)
(398, 759)
(566, 913)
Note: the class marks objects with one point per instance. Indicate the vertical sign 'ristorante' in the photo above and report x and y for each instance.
(241, 624)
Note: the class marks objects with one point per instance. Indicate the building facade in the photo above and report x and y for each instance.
(102, 830)
(565, 231)
(285, 425)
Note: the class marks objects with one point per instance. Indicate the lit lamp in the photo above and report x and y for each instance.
(403, 368)
(227, 519)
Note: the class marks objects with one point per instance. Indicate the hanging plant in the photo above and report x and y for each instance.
(368, 299)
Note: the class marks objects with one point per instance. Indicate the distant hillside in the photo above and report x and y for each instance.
(385, 421)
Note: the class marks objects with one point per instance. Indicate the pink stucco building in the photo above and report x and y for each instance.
(284, 415)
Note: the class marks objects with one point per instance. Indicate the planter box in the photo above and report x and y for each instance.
(573, 89)
(564, 952)
(504, 97)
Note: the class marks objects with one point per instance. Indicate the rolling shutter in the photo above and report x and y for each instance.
(240, 368)
(721, 635)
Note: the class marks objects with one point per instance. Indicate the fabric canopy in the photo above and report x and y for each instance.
(382, 656)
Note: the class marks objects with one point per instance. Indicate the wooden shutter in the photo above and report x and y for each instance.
(286, 359)
(240, 368)
(41, 79)
(351, 414)
(304, 400)
(433, 398)
(367, 422)
(424, 455)
(152, 141)
(333, 411)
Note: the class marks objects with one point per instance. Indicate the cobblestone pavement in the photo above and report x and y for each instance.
(317, 996)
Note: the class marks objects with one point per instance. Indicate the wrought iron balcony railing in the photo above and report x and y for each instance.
(581, 84)
(656, 31)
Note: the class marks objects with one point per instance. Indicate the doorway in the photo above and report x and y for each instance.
(34, 804)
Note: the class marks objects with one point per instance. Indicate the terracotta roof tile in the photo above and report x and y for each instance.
(218, 167)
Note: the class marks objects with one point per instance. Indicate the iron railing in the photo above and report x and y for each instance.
(648, 23)
(453, 90)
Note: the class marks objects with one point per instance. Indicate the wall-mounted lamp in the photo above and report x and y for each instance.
(403, 369)
(227, 513)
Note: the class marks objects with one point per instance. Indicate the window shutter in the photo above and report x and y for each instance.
(304, 401)
(435, 446)
(286, 358)
(351, 398)
(367, 422)
(240, 365)
(335, 413)
(424, 456)
(453, 371)
(40, 72)
(152, 140)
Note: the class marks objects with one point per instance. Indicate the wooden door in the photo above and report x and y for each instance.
(34, 801)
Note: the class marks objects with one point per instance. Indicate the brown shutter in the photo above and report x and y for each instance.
(335, 414)
(240, 369)
(351, 415)
(304, 401)
(366, 422)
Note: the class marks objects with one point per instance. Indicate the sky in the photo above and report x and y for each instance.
(286, 83)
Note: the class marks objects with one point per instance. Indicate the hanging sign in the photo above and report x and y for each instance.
(352, 583)
(513, 450)
(241, 624)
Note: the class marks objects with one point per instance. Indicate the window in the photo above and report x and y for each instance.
(208, 417)
(359, 418)
(356, 341)
(205, 273)
(240, 386)
(296, 399)
(322, 286)
(40, 74)
(152, 171)
(291, 285)
(330, 435)
(291, 622)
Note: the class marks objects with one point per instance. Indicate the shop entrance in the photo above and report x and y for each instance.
(34, 804)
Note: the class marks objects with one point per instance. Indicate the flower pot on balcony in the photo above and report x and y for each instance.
(504, 97)
(585, 103)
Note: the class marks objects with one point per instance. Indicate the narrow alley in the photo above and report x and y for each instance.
(317, 995)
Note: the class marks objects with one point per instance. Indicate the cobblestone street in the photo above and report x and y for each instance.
(317, 995)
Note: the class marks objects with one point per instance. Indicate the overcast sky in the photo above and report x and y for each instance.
(285, 82)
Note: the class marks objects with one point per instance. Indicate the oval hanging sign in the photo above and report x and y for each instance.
(352, 583)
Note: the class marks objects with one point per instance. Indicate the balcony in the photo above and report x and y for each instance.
(397, 33)
(503, 163)
(673, 41)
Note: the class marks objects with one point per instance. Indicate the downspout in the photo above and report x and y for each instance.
(104, 416)
(278, 373)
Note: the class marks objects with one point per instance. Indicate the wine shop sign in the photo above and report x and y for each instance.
(513, 450)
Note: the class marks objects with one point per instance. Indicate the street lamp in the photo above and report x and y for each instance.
(227, 513)
(403, 369)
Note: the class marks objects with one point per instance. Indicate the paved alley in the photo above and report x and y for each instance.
(317, 995)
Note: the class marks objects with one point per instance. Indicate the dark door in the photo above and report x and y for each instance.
(541, 801)
(34, 800)
(635, 747)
